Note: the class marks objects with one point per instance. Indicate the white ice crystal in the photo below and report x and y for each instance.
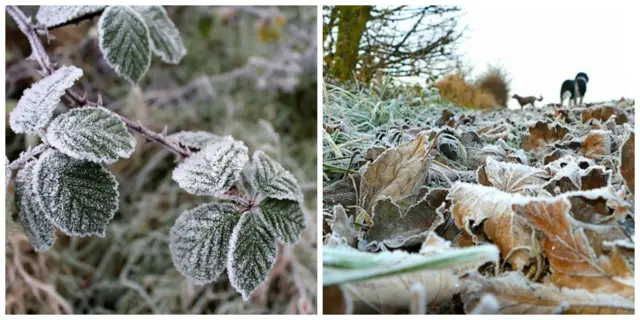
(79, 197)
(212, 170)
(251, 256)
(165, 37)
(199, 240)
(124, 42)
(284, 218)
(37, 226)
(272, 180)
(193, 139)
(52, 16)
(94, 134)
(36, 106)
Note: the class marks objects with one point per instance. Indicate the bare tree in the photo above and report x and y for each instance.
(399, 40)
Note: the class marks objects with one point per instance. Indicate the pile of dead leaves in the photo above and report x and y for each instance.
(551, 189)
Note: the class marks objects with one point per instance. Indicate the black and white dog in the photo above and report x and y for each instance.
(574, 89)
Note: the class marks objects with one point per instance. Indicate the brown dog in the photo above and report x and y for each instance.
(523, 101)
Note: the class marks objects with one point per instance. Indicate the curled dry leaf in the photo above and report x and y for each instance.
(475, 205)
(394, 229)
(543, 133)
(511, 177)
(397, 173)
(627, 164)
(342, 226)
(573, 262)
(604, 113)
(517, 295)
(596, 143)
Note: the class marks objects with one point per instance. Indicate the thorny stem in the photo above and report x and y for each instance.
(39, 54)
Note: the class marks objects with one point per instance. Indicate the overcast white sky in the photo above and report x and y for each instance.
(541, 45)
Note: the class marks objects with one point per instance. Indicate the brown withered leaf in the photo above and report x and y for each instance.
(397, 173)
(595, 177)
(627, 166)
(477, 205)
(573, 262)
(517, 295)
(446, 116)
(336, 301)
(495, 132)
(393, 229)
(555, 155)
(543, 133)
(603, 113)
(596, 206)
(511, 177)
(596, 143)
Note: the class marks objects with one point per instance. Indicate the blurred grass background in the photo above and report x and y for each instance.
(249, 72)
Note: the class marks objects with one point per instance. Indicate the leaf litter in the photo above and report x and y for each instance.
(549, 190)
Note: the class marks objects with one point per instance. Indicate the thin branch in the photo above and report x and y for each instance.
(28, 155)
(76, 100)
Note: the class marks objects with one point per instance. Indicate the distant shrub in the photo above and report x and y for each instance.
(456, 89)
(495, 82)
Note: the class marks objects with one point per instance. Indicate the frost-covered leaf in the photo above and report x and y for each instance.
(212, 170)
(94, 134)
(79, 197)
(251, 256)
(165, 37)
(604, 113)
(394, 229)
(52, 16)
(627, 164)
(513, 177)
(596, 143)
(199, 240)
(477, 205)
(543, 133)
(397, 173)
(515, 294)
(284, 218)
(574, 263)
(272, 180)
(194, 140)
(342, 230)
(124, 41)
(36, 225)
(37, 104)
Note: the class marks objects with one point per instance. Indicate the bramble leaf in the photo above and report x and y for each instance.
(251, 256)
(94, 134)
(212, 170)
(272, 180)
(194, 139)
(52, 16)
(124, 41)
(37, 226)
(79, 197)
(284, 218)
(199, 240)
(37, 104)
(165, 37)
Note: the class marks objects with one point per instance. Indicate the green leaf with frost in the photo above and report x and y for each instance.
(284, 218)
(272, 180)
(51, 16)
(199, 240)
(124, 42)
(194, 139)
(252, 255)
(94, 134)
(37, 226)
(36, 106)
(212, 170)
(165, 37)
(79, 197)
